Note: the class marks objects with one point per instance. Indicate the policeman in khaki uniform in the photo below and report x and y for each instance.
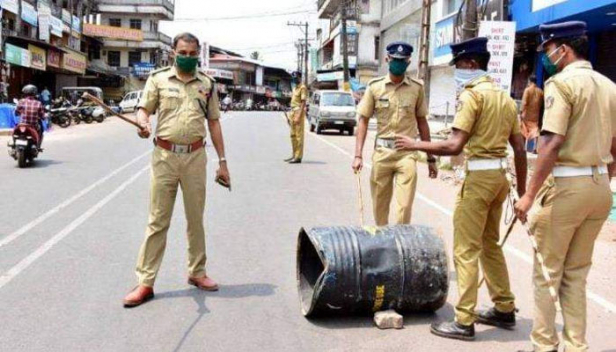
(570, 186)
(398, 103)
(486, 119)
(298, 118)
(185, 100)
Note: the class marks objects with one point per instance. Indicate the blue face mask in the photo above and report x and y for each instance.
(465, 76)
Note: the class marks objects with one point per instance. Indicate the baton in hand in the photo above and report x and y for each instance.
(111, 111)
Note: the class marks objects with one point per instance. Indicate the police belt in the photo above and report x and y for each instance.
(572, 171)
(179, 148)
(386, 143)
(486, 164)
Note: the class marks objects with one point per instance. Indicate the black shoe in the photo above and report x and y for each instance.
(495, 318)
(453, 330)
(295, 161)
(288, 159)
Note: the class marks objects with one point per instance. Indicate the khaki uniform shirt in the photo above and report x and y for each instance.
(489, 115)
(580, 104)
(300, 93)
(532, 102)
(396, 106)
(182, 107)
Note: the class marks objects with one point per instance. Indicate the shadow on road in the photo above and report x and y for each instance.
(45, 163)
(226, 291)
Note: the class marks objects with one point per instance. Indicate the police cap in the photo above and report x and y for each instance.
(571, 29)
(399, 50)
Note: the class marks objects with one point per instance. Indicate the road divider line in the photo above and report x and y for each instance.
(607, 305)
(45, 247)
(24, 229)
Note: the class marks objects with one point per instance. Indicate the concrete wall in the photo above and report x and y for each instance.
(407, 29)
(145, 20)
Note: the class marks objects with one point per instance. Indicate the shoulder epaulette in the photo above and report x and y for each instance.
(163, 69)
(207, 76)
(418, 81)
(374, 80)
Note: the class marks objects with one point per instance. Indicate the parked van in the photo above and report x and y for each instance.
(332, 109)
(130, 101)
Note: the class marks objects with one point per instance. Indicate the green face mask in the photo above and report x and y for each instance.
(550, 68)
(398, 67)
(186, 63)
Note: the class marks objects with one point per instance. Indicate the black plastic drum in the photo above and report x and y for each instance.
(350, 270)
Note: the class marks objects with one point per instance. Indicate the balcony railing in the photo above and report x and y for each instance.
(157, 37)
(169, 5)
(327, 8)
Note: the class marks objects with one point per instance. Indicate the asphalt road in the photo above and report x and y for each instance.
(71, 227)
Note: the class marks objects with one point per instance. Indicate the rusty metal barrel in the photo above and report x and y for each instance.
(351, 270)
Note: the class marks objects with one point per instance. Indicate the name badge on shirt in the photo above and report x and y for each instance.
(383, 103)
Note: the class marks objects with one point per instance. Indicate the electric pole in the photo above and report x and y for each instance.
(345, 46)
(424, 43)
(304, 27)
(471, 24)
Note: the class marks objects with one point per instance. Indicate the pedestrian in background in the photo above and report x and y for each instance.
(486, 119)
(185, 100)
(46, 96)
(399, 105)
(298, 118)
(532, 106)
(570, 187)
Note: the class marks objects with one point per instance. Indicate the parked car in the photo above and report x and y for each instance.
(332, 109)
(130, 101)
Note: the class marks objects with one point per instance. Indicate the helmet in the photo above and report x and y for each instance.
(30, 89)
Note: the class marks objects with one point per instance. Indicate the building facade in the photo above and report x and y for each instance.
(363, 41)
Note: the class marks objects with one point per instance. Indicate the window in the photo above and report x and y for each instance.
(377, 47)
(452, 6)
(338, 99)
(113, 58)
(153, 26)
(115, 22)
(135, 23)
(134, 57)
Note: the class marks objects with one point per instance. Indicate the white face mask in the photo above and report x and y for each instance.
(465, 76)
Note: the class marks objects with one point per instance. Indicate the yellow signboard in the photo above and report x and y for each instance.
(74, 62)
(111, 32)
(38, 57)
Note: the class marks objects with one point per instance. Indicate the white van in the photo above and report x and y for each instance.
(130, 101)
(332, 109)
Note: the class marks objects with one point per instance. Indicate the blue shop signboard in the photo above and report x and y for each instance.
(143, 69)
(444, 36)
(529, 14)
(29, 14)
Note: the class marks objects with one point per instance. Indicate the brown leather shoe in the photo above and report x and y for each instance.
(203, 283)
(138, 296)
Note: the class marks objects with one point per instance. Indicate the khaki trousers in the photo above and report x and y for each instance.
(297, 134)
(567, 217)
(168, 171)
(393, 174)
(476, 222)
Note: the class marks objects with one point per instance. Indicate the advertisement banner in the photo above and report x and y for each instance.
(44, 27)
(54, 58)
(29, 14)
(17, 56)
(43, 8)
(443, 38)
(10, 5)
(74, 62)
(56, 26)
(38, 57)
(76, 26)
(66, 16)
(501, 45)
(542, 4)
(94, 30)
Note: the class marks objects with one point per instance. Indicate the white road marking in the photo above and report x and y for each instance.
(24, 229)
(45, 247)
(609, 306)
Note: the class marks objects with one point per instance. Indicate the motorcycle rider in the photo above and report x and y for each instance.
(31, 110)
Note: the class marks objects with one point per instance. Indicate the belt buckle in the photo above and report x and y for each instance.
(181, 149)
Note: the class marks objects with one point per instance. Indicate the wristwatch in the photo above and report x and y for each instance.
(222, 160)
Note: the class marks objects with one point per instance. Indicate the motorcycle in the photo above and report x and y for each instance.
(59, 115)
(24, 145)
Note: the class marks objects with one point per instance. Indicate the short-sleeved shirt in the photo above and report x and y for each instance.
(489, 115)
(395, 106)
(300, 94)
(30, 111)
(532, 103)
(182, 107)
(580, 104)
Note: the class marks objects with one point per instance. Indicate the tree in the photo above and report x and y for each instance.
(255, 55)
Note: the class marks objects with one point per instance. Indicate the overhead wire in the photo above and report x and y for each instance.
(229, 18)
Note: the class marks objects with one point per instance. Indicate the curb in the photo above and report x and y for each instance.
(5, 131)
